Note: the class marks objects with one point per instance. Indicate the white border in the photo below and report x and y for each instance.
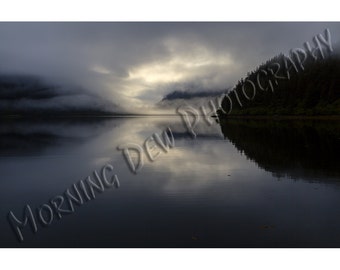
(175, 10)
(172, 10)
(169, 259)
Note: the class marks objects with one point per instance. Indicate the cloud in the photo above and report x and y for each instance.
(136, 64)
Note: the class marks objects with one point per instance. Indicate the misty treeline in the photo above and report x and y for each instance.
(282, 86)
(29, 95)
(182, 94)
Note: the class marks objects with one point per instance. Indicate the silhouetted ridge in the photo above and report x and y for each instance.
(312, 91)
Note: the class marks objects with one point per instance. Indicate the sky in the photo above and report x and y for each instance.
(134, 65)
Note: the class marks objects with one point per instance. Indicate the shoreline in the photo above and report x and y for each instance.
(283, 117)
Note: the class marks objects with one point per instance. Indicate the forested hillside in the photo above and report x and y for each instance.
(309, 89)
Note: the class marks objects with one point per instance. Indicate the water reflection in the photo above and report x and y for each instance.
(22, 137)
(306, 149)
(204, 192)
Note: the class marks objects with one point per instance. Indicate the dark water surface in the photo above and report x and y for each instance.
(250, 183)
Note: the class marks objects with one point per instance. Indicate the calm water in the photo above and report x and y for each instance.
(238, 184)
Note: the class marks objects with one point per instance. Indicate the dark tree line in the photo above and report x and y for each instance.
(313, 89)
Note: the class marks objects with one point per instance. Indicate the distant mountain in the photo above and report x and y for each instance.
(311, 90)
(177, 94)
(196, 99)
(30, 95)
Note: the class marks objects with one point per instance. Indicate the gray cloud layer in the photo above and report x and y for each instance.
(136, 64)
